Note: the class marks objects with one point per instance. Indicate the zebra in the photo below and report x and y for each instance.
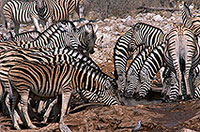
(189, 21)
(18, 54)
(27, 36)
(132, 73)
(139, 34)
(78, 9)
(154, 62)
(86, 35)
(59, 10)
(20, 12)
(63, 34)
(72, 76)
(183, 51)
(170, 86)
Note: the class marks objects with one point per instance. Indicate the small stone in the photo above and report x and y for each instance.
(158, 18)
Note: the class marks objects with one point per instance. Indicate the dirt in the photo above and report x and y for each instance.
(154, 116)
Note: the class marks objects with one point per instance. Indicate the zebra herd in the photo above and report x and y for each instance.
(48, 66)
(177, 52)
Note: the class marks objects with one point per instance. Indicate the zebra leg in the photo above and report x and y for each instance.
(47, 113)
(41, 106)
(7, 103)
(24, 107)
(188, 90)
(65, 105)
(35, 21)
(14, 101)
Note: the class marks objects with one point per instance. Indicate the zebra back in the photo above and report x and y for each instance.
(51, 35)
(27, 36)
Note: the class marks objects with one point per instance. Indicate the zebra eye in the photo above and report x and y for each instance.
(137, 27)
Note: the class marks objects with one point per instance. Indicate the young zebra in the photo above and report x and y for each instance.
(59, 79)
(139, 34)
(184, 54)
(20, 12)
(154, 62)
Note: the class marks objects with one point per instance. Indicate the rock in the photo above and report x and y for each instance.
(115, 33)
(187, 130)
(158, 18)
(107, 28)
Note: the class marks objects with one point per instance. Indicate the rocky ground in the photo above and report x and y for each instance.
(154, 116)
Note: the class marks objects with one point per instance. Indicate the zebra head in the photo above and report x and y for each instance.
(112, 91)
(67, 25)
(87, 37)
(132, 84)
(41, 8)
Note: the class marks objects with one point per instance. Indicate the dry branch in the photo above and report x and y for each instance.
(157, 8)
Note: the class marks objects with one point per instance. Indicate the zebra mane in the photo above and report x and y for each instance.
(136, 26)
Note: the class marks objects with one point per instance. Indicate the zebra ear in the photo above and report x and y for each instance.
(95, 29)
(181, 5)
(191, 6)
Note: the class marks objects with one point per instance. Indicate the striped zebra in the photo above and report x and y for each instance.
(19, 12)
(78, 9)
(132, 73)
(60, 9)
(64, 34)
(170, 86)
(58, 79)
(154, 62)
(183, 52)
(27, 36)
(43, 55)
(85, 35)
(192, 22)
(139, 34)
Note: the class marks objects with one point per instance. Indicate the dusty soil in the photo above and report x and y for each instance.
(154, 116)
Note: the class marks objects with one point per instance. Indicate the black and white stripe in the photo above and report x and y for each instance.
(20, 12)
(132, 73)
(183, 54)
(154, 62)
(60, 79)
(140, 34)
